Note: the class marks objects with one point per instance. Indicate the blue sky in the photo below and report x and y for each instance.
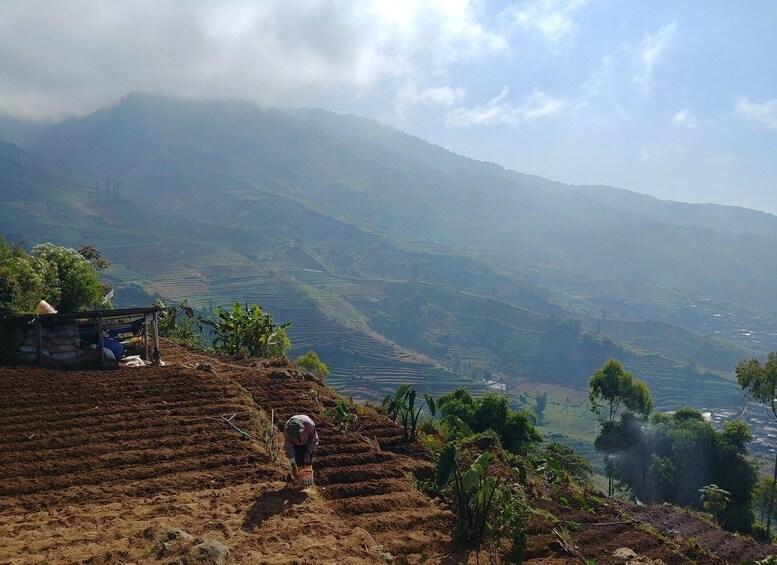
(674, 99)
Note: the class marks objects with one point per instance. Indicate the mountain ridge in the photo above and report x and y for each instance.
(263, 184)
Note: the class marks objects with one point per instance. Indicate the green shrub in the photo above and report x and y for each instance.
(312, 363)
(247, 333)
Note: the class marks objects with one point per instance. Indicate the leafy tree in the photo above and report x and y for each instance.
(78, 283)
(91, 254)
(491, 413)
(760, 381)
(25, 280)
(762, 493)
(312, 363)
(614, 388)
(519, 434)
(737, 474)
(59, 275)
(457, 404)
(516, 428)
(247, 333)
(541, 401)
(673, 457)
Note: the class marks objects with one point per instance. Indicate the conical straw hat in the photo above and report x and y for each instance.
(44, 307)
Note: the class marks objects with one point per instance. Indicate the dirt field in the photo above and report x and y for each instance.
(137, 466)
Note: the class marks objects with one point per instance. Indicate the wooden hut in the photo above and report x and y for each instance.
(78, 338)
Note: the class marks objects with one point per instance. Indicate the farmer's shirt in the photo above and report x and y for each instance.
(308, 436)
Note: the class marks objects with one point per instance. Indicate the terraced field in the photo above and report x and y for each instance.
(358, 473)
(140, 466)
(97, 463)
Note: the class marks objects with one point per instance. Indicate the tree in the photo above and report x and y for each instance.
(760, 382)
(457, 404)
(613, 388)
(617, 387)
(59, 275)
(491, 412)
(312, 363)
(674, 456)
(25, 280)
(762, 493)
(91, 254)
(541, 401)
(737, 474)
(77, 278)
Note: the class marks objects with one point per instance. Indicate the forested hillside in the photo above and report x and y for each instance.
(397, 260)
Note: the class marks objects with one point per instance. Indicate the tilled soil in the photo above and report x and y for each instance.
(137, 465)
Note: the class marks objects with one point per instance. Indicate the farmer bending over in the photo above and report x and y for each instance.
(299, 441)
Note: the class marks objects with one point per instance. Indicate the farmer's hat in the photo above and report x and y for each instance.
(295, 426)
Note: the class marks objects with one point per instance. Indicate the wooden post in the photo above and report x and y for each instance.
(38, 340)
(100, 342)
(157, 357)
(145, 335)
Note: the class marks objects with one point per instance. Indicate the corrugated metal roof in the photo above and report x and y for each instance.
(91, 314)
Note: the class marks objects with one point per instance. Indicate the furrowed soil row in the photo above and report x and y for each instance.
(123, 420)
(202, 430)
(111, 461)
(171, 438)
(99, 433)
(76, 436)
(125, 474)
(362, 482)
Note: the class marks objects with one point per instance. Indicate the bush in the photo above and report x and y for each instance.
(312, 363)
(247, 333)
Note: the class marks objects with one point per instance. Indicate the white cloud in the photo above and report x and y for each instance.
(551, 19)
(410, 96)
(627, 70)
(684, 119)
(650, 52)
(764, 113)
(651, 152)
(646, 152)
(444, 96)
(499, 111)
(73, 57)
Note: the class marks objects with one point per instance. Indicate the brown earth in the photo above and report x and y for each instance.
(137, 465)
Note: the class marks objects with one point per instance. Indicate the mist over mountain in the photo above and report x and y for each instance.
(440, 259)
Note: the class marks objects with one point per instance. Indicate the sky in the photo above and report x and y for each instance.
(674, 99)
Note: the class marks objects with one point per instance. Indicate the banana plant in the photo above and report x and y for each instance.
(247, 333)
